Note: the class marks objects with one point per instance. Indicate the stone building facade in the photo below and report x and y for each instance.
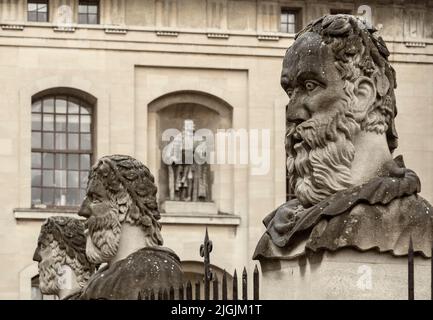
(84, 79)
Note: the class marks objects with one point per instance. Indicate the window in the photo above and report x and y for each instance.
(37, 10)
(61, 150)
(340, 11)
(289, 21)
(88, 12)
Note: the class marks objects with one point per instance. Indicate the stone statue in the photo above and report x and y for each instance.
(350, 192)
(124, 232)
(61, 252)
(188, 180)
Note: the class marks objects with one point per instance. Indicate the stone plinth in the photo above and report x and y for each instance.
(187, 207)
(346, 274)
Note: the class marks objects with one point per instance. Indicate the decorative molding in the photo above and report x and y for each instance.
(180, 218)
(18, 27)
(412, 44)
(64, 29)
(167, 33)
(116, 30)
(267, 37)
(218, 35)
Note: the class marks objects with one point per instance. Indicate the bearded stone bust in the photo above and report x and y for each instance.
(124, 232)
(61, 255)
(350, 192)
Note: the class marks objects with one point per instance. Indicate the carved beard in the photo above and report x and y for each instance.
(48, 277)
(320, 154)
(104, 236)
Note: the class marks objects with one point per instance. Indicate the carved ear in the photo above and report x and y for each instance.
(365, 91)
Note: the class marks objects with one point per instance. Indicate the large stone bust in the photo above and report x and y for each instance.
(61, 255)
(350, 192)
(124, 232)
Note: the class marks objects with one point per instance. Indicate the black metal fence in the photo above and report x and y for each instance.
(411, 272)
(192, 291)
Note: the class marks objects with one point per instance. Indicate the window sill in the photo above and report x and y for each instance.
(168, 219)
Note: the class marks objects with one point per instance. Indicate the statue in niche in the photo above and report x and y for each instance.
(340, 138)
(61, 255)
(124, 232)
(188, 170)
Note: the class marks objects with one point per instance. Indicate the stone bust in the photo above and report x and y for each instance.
(124, 232)
(340, 138)
(61, 253)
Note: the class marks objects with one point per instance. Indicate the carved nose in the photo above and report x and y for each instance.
(296, 113)
(84, 209)
(36, 255)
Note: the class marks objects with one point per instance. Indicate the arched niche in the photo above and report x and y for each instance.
(207, 112)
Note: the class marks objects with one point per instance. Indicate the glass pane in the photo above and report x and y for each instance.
(42, 7)
(48, 140)
(82, 9)
(31, 6)
(85, 161)
(36, 121)
(48, 178)
(60, 197)
(291, 18)
(92, 9)
(36, 139)
(47, 195)
(92, 19)
(283, 17)
(83, 179)
(49, 105)
(73, 106)
(42, 17)
(73, 197)
(86, 143)
(73, 141)
(283, 27)
(85, 110)
(60, 105)
(36, 160)
(60, 141)
(36, 196)
(48, 122)
(73, 123)
(73, 162)
(60, 161)
(82, 18)
(82, 194)
(85, 123)
(37, 106)
(73, 179)
(60, 178)
(60, 123)
(36, 178)
(32, 16)
(291, 28)
(48, 160)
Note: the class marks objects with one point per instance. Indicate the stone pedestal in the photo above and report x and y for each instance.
(189, 207)
(346, 274)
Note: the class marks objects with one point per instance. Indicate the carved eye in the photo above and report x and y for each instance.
(289, 92)
(310, 85)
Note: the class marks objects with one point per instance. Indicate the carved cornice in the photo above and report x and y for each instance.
(18, 27)
(116, 30)
(218, 35)
(64, 29)
(167, 33)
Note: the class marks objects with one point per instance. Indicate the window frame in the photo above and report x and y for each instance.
(297, 16)
(88, 3)
(82, 103)
(47, 2)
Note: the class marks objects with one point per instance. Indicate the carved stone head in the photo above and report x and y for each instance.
(120, 190)
(340, 85)
(61, 250)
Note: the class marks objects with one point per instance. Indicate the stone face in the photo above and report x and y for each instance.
(349, 191)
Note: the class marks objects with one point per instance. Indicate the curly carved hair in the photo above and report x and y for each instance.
(358, 51)
(65, 236)
(131, 185)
